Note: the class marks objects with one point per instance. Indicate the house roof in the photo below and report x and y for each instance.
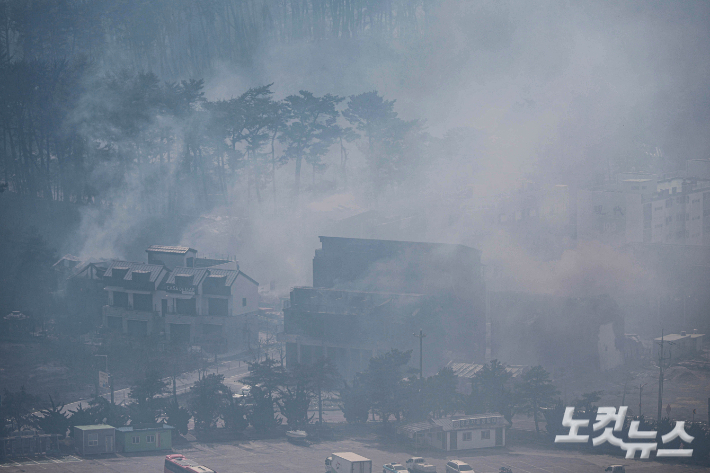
(199, 274)
(469, 370)
(447, 423)
(169, 249)
(417, 427)
(672, 337)
(141, 427)
(154, 269)
(94, 427)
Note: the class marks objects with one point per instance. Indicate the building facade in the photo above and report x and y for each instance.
(369, 296)
(211, 307)
(640, 208)
(94, 439)
(144, 438)
(349, 327)
(209, 303)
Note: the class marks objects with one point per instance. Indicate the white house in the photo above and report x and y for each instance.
(458, 432)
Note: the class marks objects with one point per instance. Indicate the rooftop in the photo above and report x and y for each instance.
(134, 428)
(672, 337)
(169, 249)
(469, 370)
(153, 269)
(94, 427)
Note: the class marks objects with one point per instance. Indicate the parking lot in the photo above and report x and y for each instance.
(279, 455)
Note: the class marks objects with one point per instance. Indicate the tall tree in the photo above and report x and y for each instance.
(355, 400)
(147, 393)
(443, 398)
(386, 135)
(325, 377)
(208, 397)
(17, 407)
(536, 392)
(310, 129)
(295, 395)
(383, 380)
(265, 378)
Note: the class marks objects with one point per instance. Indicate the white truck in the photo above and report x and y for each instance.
(347, 462)
(418, 465)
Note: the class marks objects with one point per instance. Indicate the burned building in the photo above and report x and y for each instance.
(210, 302)
(368, 297)
(585, 333)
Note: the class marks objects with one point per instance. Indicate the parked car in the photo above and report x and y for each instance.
(454, 466)
(616, 469)
(393, 468)
(418, 465)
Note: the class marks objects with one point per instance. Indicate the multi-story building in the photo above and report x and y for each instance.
(370, 295)
(196, 301)
(644, 209)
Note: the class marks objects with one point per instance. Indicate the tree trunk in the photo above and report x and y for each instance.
(273, 168)
(320, 407)
(298, 178)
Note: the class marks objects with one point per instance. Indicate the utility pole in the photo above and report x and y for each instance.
(640, 394)
(661, 362)
(660, 384)
(421, 357)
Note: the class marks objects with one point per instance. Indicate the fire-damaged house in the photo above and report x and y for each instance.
(369, 296)
(193, 301)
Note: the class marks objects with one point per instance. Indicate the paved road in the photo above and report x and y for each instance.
(232, 370)
(279, 455)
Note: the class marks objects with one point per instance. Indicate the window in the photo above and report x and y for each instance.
(597, 209)
(120, 299)
(150, 439)
(136, 439)
(485, 434)
(467, 436)
(217, 306)
(93, 440)
(244, 301)
(669, 203)
(143, 302)
(186, 306)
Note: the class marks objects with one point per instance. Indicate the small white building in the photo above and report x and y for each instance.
(679, 345)
(458, 432)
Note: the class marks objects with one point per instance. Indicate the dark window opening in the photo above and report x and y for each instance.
(217, 306)
(244, 301)
(120, 299)
(186, 306)
(143, 302)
